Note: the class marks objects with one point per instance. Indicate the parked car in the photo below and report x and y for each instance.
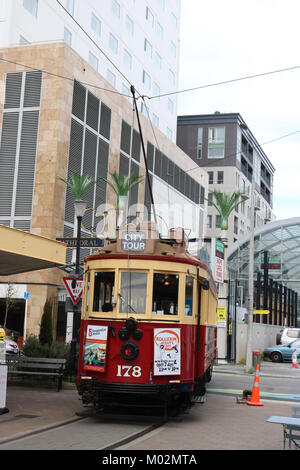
(283, 353)
(287, 335)
(11, 347)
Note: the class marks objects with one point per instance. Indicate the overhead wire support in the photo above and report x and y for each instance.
(132, 89)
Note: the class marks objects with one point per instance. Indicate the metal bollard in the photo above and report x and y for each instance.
(256, 357)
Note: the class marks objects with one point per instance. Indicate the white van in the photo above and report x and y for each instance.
(287, 335)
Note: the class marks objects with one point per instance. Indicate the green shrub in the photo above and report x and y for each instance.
(33, 348)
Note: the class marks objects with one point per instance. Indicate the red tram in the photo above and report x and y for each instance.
(148, 322)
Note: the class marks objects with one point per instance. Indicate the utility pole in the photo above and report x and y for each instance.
(249, 358)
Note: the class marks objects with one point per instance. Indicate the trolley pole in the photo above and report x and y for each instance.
(249, 358)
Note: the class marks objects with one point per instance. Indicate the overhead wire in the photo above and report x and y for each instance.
(247, 77)
(47, 72)
(95, 44)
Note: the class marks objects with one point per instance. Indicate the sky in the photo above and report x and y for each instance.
(223, 40)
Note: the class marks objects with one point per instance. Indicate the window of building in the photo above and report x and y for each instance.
(23, 40)
(165, 294)
(173, 49)
(160, 31)
(158, 60)
(127, 59)
(170, 106)
(129, 25)
(144, 109)
(70, 6)
(115, 8)
(218, 221)
(199, 143)
(162, 4)
(93, 61)
(209, 221)
(156, 89)
(111, 78)
(216, 142)
(174, 20)
(220, 179)
(236, 225)
(96, 24)
(126, 91)
(68, 36)
(210, 198)
(146, 79)
(113, 43)
(172, 77)
(169, 133)
(148, 48)
(133, 292)
(149, 17)
(210, 177)
(31, 6)
(155, 120)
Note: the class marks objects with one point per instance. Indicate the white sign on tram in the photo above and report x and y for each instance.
(167, 351)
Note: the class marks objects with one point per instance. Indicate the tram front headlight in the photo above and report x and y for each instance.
(129, 351)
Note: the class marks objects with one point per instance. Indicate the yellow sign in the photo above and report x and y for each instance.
(2, 334)
(221, 316)
(261, 312)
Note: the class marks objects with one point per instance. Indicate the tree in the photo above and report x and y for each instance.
(79, 184)
(225, 203)
(9, 300)
(46, 332)
(121, 185)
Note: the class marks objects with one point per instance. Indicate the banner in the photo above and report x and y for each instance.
(95, 348)
(167, 351)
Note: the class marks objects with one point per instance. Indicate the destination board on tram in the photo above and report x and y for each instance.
(133, 241)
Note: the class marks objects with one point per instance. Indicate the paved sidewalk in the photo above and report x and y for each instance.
(267, 369)
(33, 409)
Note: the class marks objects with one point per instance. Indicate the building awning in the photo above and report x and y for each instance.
(23, 252)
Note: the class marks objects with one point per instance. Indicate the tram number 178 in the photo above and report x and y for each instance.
(129, 371)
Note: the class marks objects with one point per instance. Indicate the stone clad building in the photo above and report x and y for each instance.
(59, 116)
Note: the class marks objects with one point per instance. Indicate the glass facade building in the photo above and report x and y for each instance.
(276, 272)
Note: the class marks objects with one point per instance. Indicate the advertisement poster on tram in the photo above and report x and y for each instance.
(95, 348)
(167, 355)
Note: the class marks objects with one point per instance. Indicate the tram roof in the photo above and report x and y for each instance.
(281, 239)
(23, 252)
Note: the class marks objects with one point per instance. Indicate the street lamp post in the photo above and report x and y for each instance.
(80, 208)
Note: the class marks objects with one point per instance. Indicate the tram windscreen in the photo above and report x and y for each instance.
(133, 292)
(103, 291)
(165, 294)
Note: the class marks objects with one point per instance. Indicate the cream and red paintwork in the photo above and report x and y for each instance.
(198, 334)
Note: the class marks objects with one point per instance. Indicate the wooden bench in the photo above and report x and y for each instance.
(42, 366)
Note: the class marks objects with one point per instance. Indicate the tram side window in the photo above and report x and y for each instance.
(188, 306)
(103, 291)
(165, 294)
(133, 292)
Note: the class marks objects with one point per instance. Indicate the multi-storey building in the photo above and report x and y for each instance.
(224, 145)
(128, 42)
(59, 116)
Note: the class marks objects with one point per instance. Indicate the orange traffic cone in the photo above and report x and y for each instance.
(255, 391)
(295, 364)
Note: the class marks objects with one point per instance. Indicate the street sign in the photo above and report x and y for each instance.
(75, 292)
(221, 316)
(261, 312)
(84, 242)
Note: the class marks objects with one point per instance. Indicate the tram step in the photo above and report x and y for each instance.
(199, 399)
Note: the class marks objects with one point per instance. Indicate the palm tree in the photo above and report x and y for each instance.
(225, 203)
(121, 185)
(79, 184)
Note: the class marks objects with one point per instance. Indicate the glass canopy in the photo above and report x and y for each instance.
(281, 240)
